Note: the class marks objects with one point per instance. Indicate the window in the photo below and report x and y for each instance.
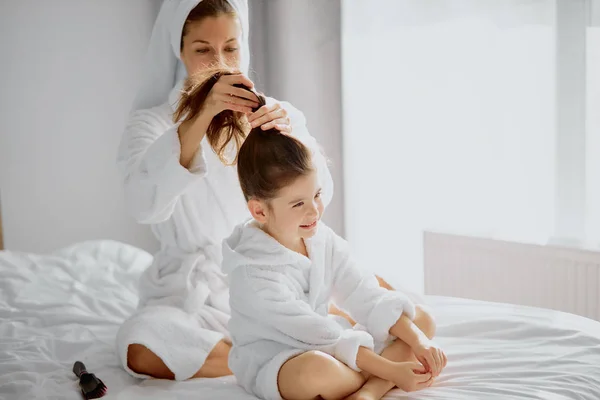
(468, 117)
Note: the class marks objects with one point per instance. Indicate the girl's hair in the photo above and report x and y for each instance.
(204, 9)
(267, 160)
(270, 160)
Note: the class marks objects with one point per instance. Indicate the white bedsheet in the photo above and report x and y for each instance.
(59, 308)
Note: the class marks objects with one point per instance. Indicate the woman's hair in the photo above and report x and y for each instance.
(204, 9)
(267, 160)
(226, 127)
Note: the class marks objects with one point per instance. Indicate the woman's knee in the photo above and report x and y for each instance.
(136, 355)
(142, 360)
(424, 320)
(138, 358)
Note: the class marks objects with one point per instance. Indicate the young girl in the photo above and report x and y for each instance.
(285, 266)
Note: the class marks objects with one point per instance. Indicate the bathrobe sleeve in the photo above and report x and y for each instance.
(148, 160)
(359, 294)
(260, 295)
(300, 131)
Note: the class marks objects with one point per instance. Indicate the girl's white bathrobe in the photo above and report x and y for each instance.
(184, 301)
(279, 301)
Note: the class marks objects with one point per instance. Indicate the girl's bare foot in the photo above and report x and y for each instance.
(374, 389)
(361, 395)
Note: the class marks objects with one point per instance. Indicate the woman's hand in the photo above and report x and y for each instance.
(431, 356)
(225, 96)
(273, 116)
(410, 376)
(222, 96)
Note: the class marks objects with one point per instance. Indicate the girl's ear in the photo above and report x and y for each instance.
(259, 210)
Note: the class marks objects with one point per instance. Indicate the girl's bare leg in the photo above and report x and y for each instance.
(315, 374)
(375, 388)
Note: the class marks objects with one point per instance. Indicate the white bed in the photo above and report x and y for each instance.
(56, 309)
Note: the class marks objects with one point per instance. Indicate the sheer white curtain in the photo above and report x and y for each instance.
(295, 47)
(450, 123)
(593, 126)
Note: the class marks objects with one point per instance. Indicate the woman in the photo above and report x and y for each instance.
(176, 183)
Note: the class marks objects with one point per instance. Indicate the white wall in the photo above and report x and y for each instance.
(68, 74)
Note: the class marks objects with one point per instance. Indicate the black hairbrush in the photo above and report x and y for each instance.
(91, 387)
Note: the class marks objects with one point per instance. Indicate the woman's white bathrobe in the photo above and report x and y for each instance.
(279, 301)
(184, 304)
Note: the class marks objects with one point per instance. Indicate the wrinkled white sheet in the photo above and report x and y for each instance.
(56, 309)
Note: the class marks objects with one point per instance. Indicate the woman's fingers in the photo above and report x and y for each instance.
(267, 114)
(261, 112)
(226, 82)
(287, 129)
(234, 104)
(234, 107)
(239, 79)
(233, 91)
(237, 101)
(276, 122)
(258, 113)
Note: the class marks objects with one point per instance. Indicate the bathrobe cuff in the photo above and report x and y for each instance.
(164, 168)
(347, 347)
(387, 311)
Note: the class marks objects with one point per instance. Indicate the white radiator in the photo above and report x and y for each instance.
(542, 276)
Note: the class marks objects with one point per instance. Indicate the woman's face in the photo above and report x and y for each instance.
(210, 41)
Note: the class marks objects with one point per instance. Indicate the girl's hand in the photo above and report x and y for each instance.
(410, 376)
(273, 116)
(431, 356)
(225, 96)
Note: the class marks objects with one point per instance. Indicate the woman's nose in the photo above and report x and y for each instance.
(218, 58)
